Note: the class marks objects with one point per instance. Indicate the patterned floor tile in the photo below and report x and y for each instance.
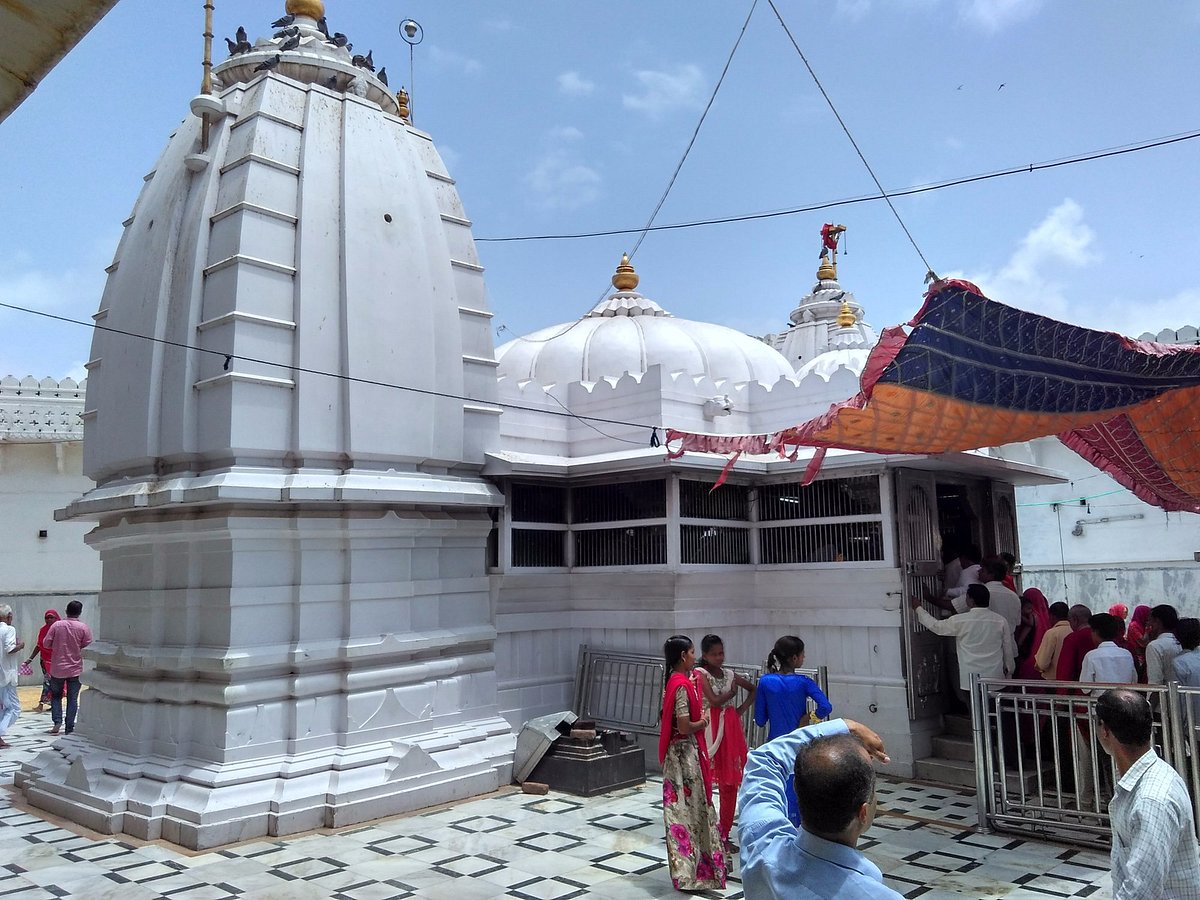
(511, 845)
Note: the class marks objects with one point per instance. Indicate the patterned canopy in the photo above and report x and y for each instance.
(974, 373)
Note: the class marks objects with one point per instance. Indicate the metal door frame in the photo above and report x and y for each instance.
(919, 543)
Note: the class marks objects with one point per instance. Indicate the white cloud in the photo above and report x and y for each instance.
(993, 15)
(1062, 240)
(560, 181)
(566, 133)
(854, 10)
(450, 59)
(575, 85)
(663, 91)
(38, 346)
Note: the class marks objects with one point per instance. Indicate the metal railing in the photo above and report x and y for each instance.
(624, 691)
(1039, 767)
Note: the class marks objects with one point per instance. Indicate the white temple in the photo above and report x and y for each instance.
(333, 587)
(297, 625)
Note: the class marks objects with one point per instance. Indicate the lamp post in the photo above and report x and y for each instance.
(412, 34)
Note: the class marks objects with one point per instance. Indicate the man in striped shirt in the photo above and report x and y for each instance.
(1154, 851)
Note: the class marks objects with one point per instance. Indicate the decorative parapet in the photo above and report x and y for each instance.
(41, 410)
(1188, 334)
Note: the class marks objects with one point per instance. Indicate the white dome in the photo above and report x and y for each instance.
(629, 333)
(852, 358)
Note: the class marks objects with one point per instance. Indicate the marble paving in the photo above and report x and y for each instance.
(507, 844)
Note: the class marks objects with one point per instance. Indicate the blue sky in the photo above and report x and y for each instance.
(560, 117)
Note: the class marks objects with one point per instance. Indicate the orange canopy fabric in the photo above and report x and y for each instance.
(974, 373)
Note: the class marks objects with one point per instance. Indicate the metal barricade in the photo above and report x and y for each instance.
(622, 690)
(1039, 767)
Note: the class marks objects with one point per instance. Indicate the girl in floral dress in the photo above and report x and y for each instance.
(726, 740)
(694, 850)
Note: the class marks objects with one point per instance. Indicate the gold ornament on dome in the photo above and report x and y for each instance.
(402, 101)
(827, 270)
(846, 317)
(625, 278)
(312, 9)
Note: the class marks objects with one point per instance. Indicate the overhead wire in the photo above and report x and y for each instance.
(883, 193)
(446, 395)
(1022, 169)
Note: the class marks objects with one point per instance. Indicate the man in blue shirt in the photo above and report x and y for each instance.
(835, 785)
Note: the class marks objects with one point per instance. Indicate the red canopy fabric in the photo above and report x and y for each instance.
(974, 373)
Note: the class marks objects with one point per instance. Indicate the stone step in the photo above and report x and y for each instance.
(953, 746)
(961, 773)
(957, 725)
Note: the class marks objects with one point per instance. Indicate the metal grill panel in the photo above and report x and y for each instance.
(640, 545)
(536, 548)
(1039, 768)
(712, 545)
(697, 500)
(622, 690)
(821, 543)
(823, 499)
(619, 502)
(538, 503)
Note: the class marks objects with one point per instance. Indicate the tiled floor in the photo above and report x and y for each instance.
(507, 845)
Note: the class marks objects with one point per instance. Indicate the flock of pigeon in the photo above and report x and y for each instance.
(291, 40)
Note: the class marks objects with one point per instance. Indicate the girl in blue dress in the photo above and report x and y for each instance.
(781, 701)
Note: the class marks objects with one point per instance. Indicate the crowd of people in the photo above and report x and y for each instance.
(59, 650)
(806, 795)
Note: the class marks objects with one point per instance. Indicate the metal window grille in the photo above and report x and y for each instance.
(697, 500)
(823, 543)
(624, 690)
(828, 498)
(619, 502)
(538, 503)
(711, 544)
(537, 548)
(640, 545)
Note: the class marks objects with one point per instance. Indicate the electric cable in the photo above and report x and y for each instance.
(229, 357)
(1023, 169)
(853, 142)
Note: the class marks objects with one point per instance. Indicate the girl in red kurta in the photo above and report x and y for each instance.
(694, 851)
(52, 616)
(726, 740)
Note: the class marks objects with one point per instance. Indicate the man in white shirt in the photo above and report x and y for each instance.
(1005, 601)
(1108, 663)
(969, 572)
(1163, 646)
(983, 639)
(1154, 851)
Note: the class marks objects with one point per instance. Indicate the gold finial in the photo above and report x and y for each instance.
(313, 9)
(402, 102)
(625, 278)
(846, 317)
(827, 270)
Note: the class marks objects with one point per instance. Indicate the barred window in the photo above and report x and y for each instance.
(828, 498)
(830, 542)
(538, 503)
(836, 520)
(712, 545)
(533, 547)
(641, 545)
(697, 500)
(619, 502)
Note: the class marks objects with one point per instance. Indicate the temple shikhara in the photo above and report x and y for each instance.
(348, 546)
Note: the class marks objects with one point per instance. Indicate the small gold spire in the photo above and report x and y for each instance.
(625, 278)
(846, 317)
(313, 9)
(827, 270)
(402, 102)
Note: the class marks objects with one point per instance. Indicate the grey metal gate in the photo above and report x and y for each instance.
(920, 558)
